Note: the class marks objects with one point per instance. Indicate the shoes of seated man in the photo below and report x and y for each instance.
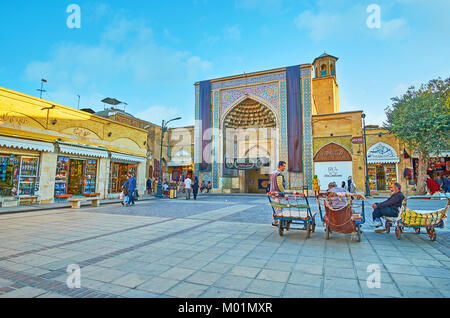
(377, 224)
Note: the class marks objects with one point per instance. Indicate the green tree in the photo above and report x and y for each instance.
(421, 119)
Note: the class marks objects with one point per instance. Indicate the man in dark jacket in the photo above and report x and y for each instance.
(390, 207)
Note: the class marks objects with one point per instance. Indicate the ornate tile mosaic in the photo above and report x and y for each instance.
(215, 154)
(307, 132)
(249, 81)
(266, 92)
(197, 139)
(283, 122)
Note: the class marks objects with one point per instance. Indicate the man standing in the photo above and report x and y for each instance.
(188, 187)
(131, 182)
(390, 207)
(277, 185)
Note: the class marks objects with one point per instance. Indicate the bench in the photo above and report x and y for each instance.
(76, 202)
(33, 198)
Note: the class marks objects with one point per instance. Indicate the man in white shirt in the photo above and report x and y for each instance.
(188, 187)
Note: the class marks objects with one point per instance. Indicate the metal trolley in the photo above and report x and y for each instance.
(429, 220)
(293, 208)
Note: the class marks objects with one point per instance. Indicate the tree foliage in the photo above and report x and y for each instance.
(421, 117)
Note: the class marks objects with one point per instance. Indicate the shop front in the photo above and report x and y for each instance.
(382, 167)
(437, 166)
(121, 165)
(20, 168)
(77, 170)
(181, 166)
(333, 163)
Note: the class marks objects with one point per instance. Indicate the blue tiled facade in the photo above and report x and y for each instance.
(307, 131)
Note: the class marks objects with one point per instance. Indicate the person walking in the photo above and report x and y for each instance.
(149, 186)
(188, 187)
(125, 198)
(195, 188)
(351, 186)
(316, 186)
(131, 183)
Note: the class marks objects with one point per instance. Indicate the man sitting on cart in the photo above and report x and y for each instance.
(336, 202)
(390, 207)
(277, 185)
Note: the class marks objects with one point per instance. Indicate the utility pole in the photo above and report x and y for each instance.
(79, 97)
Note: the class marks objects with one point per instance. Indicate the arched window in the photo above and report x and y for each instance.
(332, 70)
(323, 70)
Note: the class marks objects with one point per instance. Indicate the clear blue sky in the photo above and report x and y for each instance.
(150, 53)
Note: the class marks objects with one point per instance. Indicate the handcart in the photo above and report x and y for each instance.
(292, 208)
(345, 220)
(418, 219)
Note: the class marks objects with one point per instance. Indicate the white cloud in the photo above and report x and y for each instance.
(126, 53)
(320, 25)
(232, 33)
(157, 113)
(393, 28)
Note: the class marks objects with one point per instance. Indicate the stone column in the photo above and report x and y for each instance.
(47, 172)
(140, 178)
(103, 171)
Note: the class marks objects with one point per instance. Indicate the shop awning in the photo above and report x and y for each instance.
(381, 160)
(179, 164)
(382, 153)
(126, 158)
(26, 144)
(83, 150)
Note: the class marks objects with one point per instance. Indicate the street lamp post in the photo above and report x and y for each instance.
(164, 129)
(365, 156)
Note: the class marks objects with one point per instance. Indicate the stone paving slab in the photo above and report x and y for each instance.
(222, 250)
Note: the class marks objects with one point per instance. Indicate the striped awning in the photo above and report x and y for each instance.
(126, 158)
(26, 144)
(83, 150)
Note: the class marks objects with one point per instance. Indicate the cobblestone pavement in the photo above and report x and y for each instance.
(214, 247)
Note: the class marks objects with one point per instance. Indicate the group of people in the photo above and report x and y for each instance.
(389, 208)
(185, 185)
(441, 184)
(348, 186)
(129, 191)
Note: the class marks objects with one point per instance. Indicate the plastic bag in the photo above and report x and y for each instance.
(122, 196)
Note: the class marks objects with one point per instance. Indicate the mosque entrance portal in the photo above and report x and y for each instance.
(250, 147)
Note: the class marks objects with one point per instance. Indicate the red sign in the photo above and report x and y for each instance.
(357, 140)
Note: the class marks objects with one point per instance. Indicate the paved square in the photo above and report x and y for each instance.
(217, 246)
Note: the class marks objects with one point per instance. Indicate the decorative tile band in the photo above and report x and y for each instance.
(267, 92)
(215, 174)
(249, 81)
(307, 132)
(283, 122)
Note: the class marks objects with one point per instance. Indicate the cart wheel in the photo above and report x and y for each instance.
(280, 229)
(358, 233)
(388, 227)
(432, 234)
(327, 232)
(397, 232)
(288, 226)
(308, 230)
(417, 230)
